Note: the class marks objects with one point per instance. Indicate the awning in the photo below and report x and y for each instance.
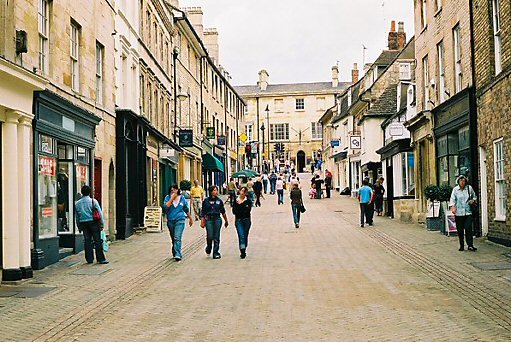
(211, 163)
(340, 155)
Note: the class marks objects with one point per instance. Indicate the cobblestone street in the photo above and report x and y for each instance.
(329, 280)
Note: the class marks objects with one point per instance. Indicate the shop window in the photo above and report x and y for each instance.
(47, 196)
(408, 173)
(453, 151)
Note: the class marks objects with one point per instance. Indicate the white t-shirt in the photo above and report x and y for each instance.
(280, 184)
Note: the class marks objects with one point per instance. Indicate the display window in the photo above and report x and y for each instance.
(47, 194)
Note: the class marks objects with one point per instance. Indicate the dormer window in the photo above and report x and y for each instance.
(405, 71)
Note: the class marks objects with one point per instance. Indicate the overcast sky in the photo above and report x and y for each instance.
(300, 41)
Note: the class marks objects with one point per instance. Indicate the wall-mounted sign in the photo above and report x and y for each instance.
(210, 132)
(335, 143)
(396, 129)
(167, 152)
(355, 142)
(186, 138)
(220, 140)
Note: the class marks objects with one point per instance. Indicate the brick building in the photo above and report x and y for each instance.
(492, 46)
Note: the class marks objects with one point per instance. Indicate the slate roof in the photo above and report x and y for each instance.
(293, 88)
(386, 104)
(387, 57)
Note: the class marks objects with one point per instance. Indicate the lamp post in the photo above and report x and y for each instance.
(267, 110)
(262, 129)
(175, 55)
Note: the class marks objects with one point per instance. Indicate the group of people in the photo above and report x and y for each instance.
(317, 181)
(370, 198)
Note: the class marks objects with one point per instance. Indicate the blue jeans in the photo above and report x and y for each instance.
(213, 227)
(265, 186)
(243, 227)
(280, 194)
(296, 212)
(273, 184)
(251, 196)
(176, 229)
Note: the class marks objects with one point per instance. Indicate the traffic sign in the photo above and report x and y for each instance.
(243, 137)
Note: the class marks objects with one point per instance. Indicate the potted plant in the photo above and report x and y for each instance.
(434, 220)
(444, 196)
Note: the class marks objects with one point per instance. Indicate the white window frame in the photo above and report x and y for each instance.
(425, 81)
(279, 132)
(316, 131)
(300, 104)
(441, 71)
(99, 73)
(497, 41)
(458, 70)
(424, 13)
(500, 180)
(405, 71)
(349, 97)
(75, 57)
(44, 34)
(249, 129)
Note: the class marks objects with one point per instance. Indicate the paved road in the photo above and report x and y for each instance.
(329, 280)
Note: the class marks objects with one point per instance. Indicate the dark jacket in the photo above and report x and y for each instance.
(296, 196)
(258, 187)
(212, 206)
(242, 210)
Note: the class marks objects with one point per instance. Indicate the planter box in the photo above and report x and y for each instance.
(435, 223)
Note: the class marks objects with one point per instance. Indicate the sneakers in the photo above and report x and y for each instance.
(243, 254)
(104, 262)
(178, 259)
(217, 256)
(472, 248)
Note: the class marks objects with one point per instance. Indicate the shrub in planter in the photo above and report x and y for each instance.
(185, 185)
(444, 193)
(432, 192)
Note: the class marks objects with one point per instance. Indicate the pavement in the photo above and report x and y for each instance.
(329, 280)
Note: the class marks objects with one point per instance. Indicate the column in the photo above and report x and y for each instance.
(24, 199)
(11, 261)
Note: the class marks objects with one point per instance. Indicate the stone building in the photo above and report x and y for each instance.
(492, 29)
(289, 114)
(70, 45)
(444, 131)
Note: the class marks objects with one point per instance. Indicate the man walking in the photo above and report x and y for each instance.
(265, 182)
(328, 182)
(273, 182)
(197, 194)
(365, 194)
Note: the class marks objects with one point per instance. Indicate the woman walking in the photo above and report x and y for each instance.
(379, 191)
(177, 211)
(280, 191)
(462, 197)
(258, 191)
(212, 208)
(241, 210)
(296, 203)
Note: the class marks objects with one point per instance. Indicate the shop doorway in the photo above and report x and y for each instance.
(98, 181)
(300, 158)
(65, 191)
(111, 200)
(390, 190)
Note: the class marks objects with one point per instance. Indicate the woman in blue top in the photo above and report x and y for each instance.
(177, 211)
(462, 197)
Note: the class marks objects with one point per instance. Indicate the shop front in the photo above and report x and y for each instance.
(63, 150)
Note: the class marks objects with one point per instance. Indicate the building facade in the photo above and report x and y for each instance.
(289, 114)
(492, 60)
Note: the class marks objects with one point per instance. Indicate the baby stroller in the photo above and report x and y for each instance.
(312, 193)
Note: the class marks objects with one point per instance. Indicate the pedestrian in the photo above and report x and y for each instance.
(241, 210)
(90, 226)
(312, 167)
(273, 182)
(328, 182)
(365, 194)
(319, 184)
(232, 189)
(197, 194)
(463, 197)
(250, 187)
(379, 191)
(265, 182)
(296, 203)
(176, 210)
(258, 191)
(320, 163)
(280, 191)
(212, 209)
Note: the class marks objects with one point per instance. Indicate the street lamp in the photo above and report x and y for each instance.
(175, 55)
(262, 129)
(267, 110)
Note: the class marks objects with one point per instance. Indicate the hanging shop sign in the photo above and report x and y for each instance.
(396, 130)
(355, 142)
(221, 140)
(335, 143)
(186, 138)
(210, 132)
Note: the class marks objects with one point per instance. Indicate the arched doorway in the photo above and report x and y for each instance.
(300, 161)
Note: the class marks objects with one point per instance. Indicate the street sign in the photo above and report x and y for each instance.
(243, 137)
(186, 138)
(355, 142)
(221, 140)
(396, 129)
(335, 143)
(210, 132)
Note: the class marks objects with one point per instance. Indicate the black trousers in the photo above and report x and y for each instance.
(328, 188)
(366, 211)
(464, 228)
(92, 241)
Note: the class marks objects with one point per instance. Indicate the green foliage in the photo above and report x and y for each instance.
(444, 192)
(185, 185)
(432, 192)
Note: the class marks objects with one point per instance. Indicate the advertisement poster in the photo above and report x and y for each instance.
(450, 222)
(47, 165)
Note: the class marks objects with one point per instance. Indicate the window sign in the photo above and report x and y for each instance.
(47, 196)
(46, 144)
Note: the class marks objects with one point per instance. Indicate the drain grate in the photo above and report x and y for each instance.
(492, 266)
(90, 271)
(24, 292)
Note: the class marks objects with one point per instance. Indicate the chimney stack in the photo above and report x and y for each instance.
(263, 80)
(401, 35)
(195, 15)
(211, 42)
(354, 74)
(393, 37)
(335, 76)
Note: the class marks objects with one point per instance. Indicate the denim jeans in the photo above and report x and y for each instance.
(176, 229)
(273, 184)
(265, 186)
(213, 227)
(280, 194)
(242, 228)
(251, 196)
(92, 240)
(296, 212)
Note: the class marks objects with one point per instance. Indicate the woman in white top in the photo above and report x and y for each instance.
(280, 191)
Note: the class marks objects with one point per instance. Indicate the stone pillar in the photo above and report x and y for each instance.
(25, 197)
(11, 262)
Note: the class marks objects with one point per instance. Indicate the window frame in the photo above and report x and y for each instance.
(425, 82)
(441, 70)
(316, 131)
(500, 180)
(457, 55)
(44, 34)
(279, 132)
(74, 53)
(100, 53)
(497, 39)
(300, 104)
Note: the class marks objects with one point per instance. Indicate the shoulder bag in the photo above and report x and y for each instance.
(96, 216)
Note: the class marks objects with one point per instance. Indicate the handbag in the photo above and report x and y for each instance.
(302, 208)
(96, 216)
(473, 207)
(105, 242)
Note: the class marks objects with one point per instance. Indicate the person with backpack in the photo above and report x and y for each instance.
(241, 209)
(176, 210)
(90, 221)
(296, 203)
(463, 197)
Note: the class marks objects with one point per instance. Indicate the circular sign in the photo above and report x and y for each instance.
(243, 137)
